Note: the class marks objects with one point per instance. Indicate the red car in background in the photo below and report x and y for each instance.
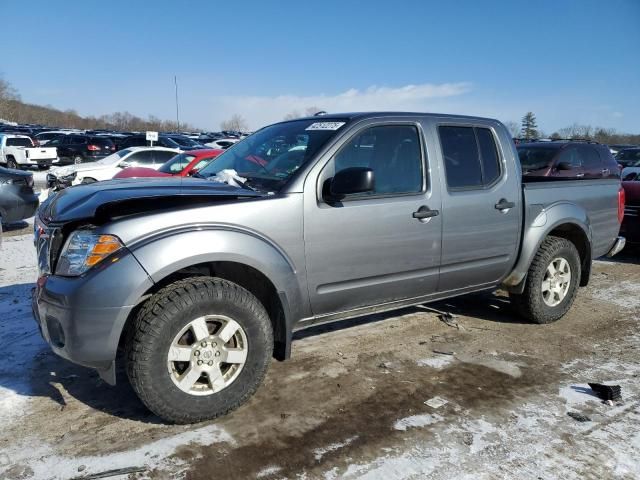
(182, 165)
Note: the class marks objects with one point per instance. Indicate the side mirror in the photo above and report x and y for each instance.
(352, 180)
(565, 166)
(124, 165)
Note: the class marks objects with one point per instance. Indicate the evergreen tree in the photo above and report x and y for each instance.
(529, 128)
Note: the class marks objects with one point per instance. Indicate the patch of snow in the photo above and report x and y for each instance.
(436, 362)
(577, 395)
(43, 461)
(19, 336)
(417, 421)
(625, 294)
(321, 452)
(271, 470)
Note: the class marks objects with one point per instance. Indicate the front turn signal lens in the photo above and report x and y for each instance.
(84, 250)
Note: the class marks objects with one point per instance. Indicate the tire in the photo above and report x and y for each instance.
(541, 307)
(162, 320)
(77, 160)
(11, 163)
(88, 180)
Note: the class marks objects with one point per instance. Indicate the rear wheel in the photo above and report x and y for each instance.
(11, 163)
(199, 348)
(86, 180)
(77, 160)
(552, 282)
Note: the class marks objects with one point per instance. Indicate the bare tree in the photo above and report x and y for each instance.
(513, 127)
(311, 111)
(292, 115)
(236, 123)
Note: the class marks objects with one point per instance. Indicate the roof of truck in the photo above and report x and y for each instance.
(375, 114)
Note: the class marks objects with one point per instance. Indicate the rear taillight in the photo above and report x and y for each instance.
(93, 148)
(620, 204)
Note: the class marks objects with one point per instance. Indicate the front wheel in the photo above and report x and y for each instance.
(552, 282)
(199, 349)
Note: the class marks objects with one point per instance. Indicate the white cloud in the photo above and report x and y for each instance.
(262, 110)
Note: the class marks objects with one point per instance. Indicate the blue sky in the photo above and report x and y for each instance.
(566, 60)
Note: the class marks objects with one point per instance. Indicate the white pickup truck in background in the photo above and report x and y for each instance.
(18, 151)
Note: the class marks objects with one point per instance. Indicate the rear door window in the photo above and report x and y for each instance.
(471, 157)
(591, 159)
(143, 158)
(461, 157)
(488, 156)
(161, 156)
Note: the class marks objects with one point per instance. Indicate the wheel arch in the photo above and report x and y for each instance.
(565, 220)
(266, 273)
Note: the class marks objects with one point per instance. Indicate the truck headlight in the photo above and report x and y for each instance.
(83, 250)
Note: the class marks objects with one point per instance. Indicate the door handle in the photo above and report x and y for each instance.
(579, 175)
(425, 212)
(605, 171)
(503, 204)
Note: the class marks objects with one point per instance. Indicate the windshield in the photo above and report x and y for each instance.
(536, 158)
(176, 164)
(269, 157)
(185, 141)
(114, 157)
(629, 158)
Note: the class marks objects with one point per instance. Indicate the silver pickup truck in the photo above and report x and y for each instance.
(198, 283)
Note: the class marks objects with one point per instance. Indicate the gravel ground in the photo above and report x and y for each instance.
(394, 396)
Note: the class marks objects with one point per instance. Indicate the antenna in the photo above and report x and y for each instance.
(175, 81)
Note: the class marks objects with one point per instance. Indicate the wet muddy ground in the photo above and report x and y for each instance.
(351, 401)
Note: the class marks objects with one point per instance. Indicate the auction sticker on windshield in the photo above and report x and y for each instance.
(325, 126)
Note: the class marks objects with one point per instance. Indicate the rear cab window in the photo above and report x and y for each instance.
(19, 142)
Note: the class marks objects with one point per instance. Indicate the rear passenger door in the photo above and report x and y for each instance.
(481, 207)
(593, 165)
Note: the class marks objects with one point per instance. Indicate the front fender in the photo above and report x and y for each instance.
(162, 256)
(540, 222)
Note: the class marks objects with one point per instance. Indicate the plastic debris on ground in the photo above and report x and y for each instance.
(436, 402)
(606, 392)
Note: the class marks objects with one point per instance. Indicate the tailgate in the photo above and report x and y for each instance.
(41, 153)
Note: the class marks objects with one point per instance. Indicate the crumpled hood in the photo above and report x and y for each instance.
(120, 197)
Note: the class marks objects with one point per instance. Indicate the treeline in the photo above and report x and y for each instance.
(13, 109)
(528, 130)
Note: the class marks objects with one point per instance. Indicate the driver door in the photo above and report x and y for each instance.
(370, 249)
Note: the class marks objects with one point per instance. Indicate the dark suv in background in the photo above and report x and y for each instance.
(629, 157)
(569, 160)
(140, 140)
(78, 148)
